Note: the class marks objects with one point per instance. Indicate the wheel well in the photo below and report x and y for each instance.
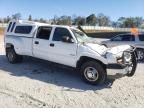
(105, 45)
(9, 45)
(85, 59)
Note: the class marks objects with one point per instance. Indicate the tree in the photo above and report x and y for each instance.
(6, 20)
(36, 20)
(114, 24)
(79, 20)
(64, 20)
(55, 19)
(103, 20)
(121, 21)
(42, 20)
(73, 17)
(91, 20)
(138, 21)
(130, 22)
(30, 18)
(16, 16)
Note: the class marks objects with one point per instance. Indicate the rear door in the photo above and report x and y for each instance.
(41, 43)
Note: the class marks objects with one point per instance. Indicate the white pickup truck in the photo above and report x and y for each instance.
(68, 46)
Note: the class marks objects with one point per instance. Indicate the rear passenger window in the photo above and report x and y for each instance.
(141, 37)
(23, 29)
(44, 32)
(13, 26)
(9, 26)
(59, 33)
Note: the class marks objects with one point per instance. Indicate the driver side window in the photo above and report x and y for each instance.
(59, 33)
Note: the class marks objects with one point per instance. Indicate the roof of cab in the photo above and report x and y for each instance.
(37, 23)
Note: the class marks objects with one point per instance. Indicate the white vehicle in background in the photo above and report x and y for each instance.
(67, 46)
(128, 39)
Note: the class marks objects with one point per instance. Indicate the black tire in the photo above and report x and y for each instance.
(134, 66)
(100, 75)
(140, 54)
(12, 56)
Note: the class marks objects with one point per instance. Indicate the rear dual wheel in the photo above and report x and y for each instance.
(12, 56)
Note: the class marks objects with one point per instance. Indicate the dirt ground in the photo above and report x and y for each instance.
(40, 84)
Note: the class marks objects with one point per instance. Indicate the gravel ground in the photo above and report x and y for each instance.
(40, 84)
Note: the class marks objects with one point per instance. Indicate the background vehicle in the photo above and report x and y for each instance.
(67, 46)
(128, 39)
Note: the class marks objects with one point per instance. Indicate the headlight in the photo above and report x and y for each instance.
(127, 56)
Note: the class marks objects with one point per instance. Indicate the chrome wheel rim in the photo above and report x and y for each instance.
(140, 55)
(91, 74)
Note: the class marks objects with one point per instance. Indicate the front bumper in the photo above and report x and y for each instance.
(122, 63)
(115, 66)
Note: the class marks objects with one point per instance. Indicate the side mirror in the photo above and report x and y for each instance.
(67, 39)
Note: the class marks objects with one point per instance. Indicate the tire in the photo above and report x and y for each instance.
(140, 54)
(134, 66)
(93, 72)
(12, 56)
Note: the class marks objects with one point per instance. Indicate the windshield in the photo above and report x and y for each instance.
(81, 37)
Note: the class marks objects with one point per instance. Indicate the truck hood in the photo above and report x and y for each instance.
(119, 49)
(102, 50)
(96, 47)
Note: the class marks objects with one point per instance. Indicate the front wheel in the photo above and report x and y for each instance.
(131, 68)
(93, 73)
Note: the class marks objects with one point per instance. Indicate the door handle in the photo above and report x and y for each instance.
(52, 44)
(36, 42)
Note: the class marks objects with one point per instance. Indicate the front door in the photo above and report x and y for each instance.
(62, 52)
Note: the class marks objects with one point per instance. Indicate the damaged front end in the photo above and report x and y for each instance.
(122, 57)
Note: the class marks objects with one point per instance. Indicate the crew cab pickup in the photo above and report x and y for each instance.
(67, 46)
